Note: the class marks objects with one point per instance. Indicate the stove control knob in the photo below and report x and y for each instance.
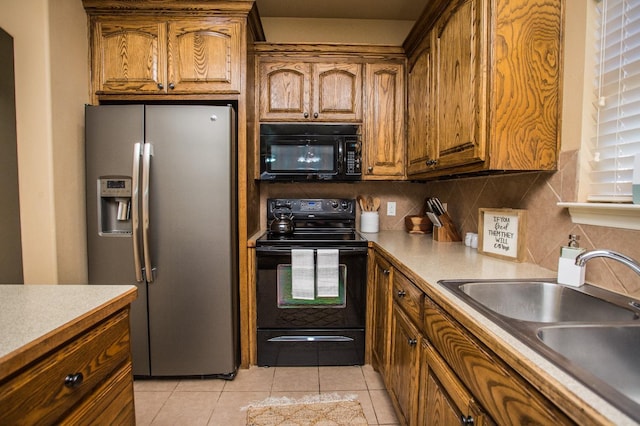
(345, 205)
(334, 204)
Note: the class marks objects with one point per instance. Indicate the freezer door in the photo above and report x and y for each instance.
(192, 299)
(110, 135)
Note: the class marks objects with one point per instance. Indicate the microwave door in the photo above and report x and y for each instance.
(302, 158)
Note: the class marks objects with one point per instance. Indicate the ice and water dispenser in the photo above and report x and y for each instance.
(114, 206)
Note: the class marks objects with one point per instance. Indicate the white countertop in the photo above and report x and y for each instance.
(32, 313)
(433, 261)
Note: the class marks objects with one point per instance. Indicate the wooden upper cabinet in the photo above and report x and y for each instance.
(337, 92)
(285, 90)
(155, 56)
(301, 91)
(204, 56)
(128, 56)
(458, 38)
(420, 128)
(384, 129)
(494, 95)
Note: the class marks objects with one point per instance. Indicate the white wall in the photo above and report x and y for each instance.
(48, 66)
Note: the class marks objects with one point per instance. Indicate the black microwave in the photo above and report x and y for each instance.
(310, 152)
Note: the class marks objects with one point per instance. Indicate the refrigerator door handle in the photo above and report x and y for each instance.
(146, 169)
(135, 183)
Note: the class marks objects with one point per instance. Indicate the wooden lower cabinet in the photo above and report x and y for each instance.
(443, 400)
(505, 395)
(380, 312)
(404, 366)
(86, 380)
(439, 373)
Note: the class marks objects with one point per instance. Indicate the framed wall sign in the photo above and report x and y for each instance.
(501, 233)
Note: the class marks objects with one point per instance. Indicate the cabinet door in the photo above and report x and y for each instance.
(384, 123)
(404, 365)
(337, 92)
(285, 90)
(459, 82)
(128, 55)
(420, 143)
(443, 398)
(381, 309)
(204, 56)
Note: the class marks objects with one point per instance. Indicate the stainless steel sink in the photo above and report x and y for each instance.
(610, 353)
(544, 302)
(591, 333)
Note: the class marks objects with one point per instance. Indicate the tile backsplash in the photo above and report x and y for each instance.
(548, 226)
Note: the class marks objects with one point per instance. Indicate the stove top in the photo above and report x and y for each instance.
(318, 222)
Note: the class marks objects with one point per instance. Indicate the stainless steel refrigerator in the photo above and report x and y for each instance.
(161, 197)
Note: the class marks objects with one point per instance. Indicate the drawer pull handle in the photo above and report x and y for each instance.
(412, 342)
(73, 380)
(467, 421)
(402, 293)
(387, 272)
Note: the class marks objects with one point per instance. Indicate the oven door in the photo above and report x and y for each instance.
(323, 331)
(278, 309)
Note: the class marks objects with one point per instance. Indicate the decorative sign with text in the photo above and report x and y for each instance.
(501, 233)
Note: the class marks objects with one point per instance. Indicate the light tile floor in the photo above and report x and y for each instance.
(219, 402)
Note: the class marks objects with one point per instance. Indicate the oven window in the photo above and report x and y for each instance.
(285, 291)
(302, 158)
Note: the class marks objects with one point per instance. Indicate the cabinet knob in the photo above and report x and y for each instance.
(172, 86)
(160, 86)
(315, 115)
(306, 115)
(402, 293)
(432, 162)
(386, 271)
(73, 380)
(466, 420)
(370, 169)
(412, 342)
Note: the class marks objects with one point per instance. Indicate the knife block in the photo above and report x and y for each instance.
(447, 232)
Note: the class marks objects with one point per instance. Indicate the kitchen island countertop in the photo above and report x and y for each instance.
(36, 318)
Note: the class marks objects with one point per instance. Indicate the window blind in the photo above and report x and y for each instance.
(617, 87)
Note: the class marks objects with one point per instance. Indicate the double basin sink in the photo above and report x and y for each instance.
(591, 333)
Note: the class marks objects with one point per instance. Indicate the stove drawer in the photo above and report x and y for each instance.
(308, 347)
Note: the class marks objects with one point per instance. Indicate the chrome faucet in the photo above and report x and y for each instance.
(583, 258)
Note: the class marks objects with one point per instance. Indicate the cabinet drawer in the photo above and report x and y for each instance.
(110, 403)
(38, 393)
(507, 397)
(408, 297)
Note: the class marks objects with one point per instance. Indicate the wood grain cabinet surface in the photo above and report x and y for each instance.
(439, 373)
(484, 87)
(380, 313)
(384, 129)
(306, 91)
(404, 366)
(87, 378)
(499, 390)
(443, 399)
(133, 55)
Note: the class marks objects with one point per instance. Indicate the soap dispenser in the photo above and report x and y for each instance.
(568, 272)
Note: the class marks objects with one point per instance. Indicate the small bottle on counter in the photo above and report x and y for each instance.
(568, 272)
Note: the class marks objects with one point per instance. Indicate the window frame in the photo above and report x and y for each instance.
(578, 129)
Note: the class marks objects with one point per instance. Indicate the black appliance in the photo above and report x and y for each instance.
(321, 329)
(308, 152)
